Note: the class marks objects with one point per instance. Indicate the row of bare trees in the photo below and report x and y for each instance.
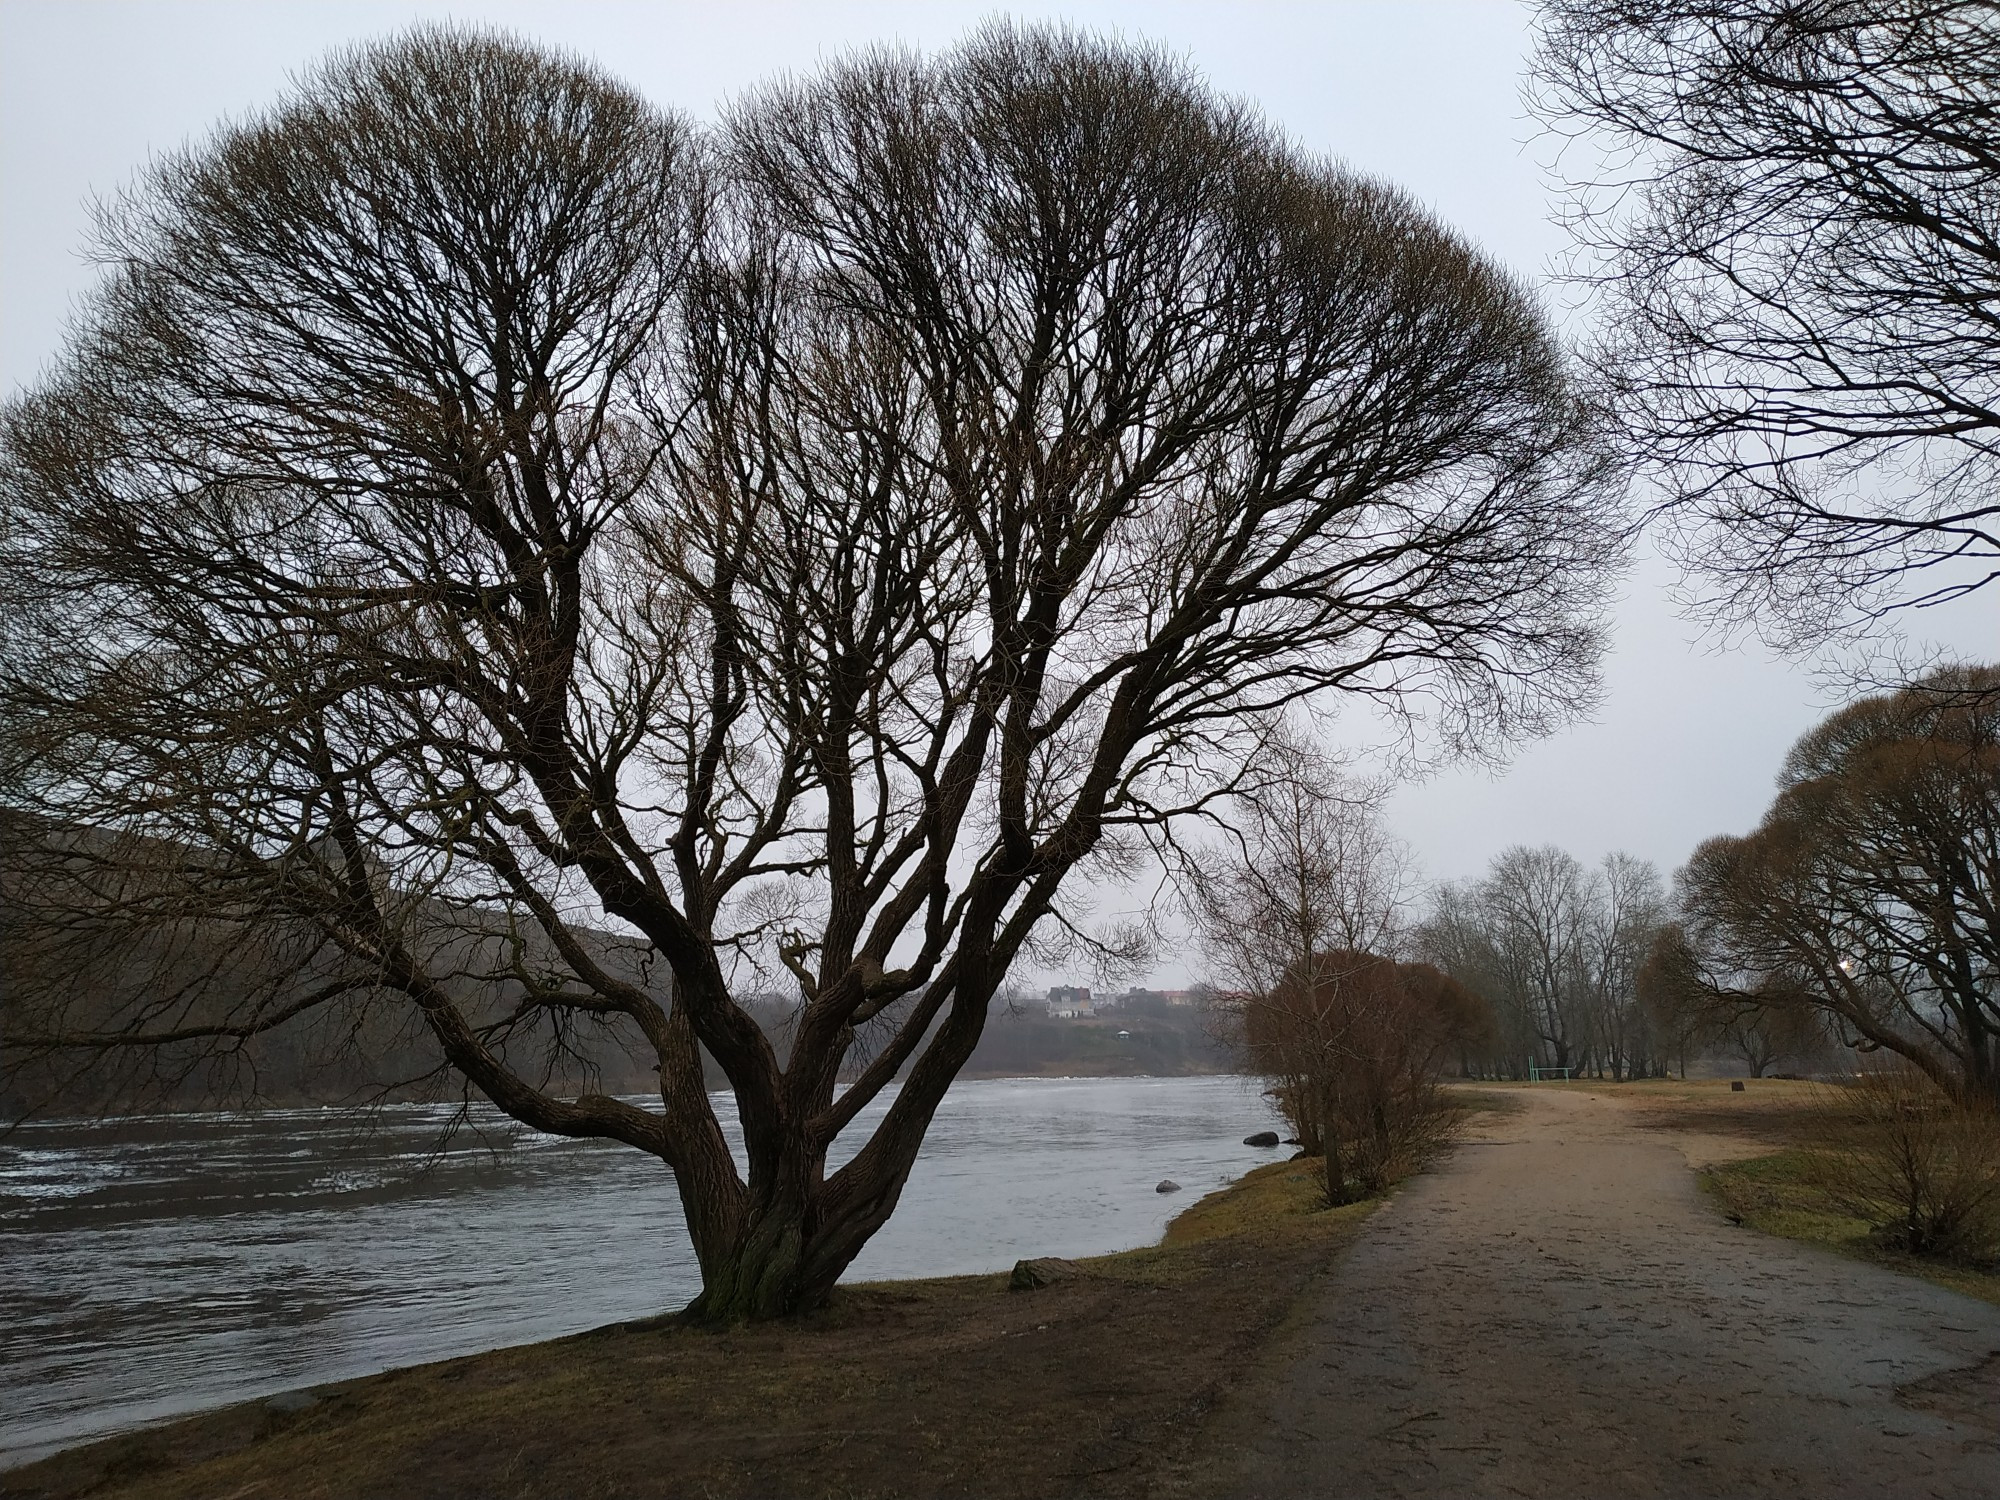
(1353, 991)
(1556, 947)
(1863, 915)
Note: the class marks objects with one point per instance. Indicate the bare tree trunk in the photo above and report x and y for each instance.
(1330, 1145)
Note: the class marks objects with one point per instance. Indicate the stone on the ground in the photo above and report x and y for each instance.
(1047, 1269)
(1167, 1185)
(287, 1402)
(1262, 1138)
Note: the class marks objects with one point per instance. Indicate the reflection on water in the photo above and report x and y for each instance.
(155, 1266)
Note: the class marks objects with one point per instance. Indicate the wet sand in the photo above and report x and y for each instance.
(1557, 1311)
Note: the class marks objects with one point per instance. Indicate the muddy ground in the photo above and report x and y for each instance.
(1557, 1311)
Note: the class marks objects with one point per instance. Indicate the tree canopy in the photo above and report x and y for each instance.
(1870, 893)
(545, 571)
(1790, 213)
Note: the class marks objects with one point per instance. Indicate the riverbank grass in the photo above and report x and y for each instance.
(1098, 1383)
(1786, 1194)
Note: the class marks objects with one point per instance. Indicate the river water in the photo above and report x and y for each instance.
(151, 1267)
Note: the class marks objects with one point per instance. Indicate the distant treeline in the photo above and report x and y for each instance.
(96, 942)
(290, 1068)
(1559, 952)
(1142, 1038)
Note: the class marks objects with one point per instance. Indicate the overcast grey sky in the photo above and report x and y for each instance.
(1423, 92)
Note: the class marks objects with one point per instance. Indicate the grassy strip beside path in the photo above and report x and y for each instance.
(947, 1386)
(1782, 1194)
(1754, 1154)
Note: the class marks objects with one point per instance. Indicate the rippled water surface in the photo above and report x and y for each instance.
(151, 1267)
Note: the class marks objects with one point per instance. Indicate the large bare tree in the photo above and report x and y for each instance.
(1791, 212)
(1869, 896)
(478, 517)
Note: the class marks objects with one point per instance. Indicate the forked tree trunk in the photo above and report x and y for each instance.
(777, 1251)
(757, 1273)
(780, 1254)
(782, 1260)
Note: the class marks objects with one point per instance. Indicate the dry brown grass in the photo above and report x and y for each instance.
(1830, 1164)
(1785, 1193)
(1920, 1164)
(951, 1386)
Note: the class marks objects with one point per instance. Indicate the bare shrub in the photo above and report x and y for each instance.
(1354, 1045)
(1921, 1163)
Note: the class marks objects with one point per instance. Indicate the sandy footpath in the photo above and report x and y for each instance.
(1557, 1311)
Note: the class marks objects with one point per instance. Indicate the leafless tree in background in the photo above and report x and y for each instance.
(1555, 948)
(1305, 866)
(1628, 909)
(1757, 1018)
(1796, 242)
(478, 513)
(1305, 878)
(1869, 896)
(1299, 913)
(1537, 909)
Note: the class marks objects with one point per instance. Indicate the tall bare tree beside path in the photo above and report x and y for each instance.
(478, 512)
(1790, 213)
(1869, 896)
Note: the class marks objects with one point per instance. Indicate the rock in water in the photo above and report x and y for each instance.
(1262, 1138)
(1168, 1185)
(1030, 1274)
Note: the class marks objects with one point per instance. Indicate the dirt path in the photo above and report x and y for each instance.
(1558, 1312)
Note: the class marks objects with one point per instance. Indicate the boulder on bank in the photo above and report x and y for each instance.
(1168, 1185)
(1044, 1271)
(1262, 1138)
